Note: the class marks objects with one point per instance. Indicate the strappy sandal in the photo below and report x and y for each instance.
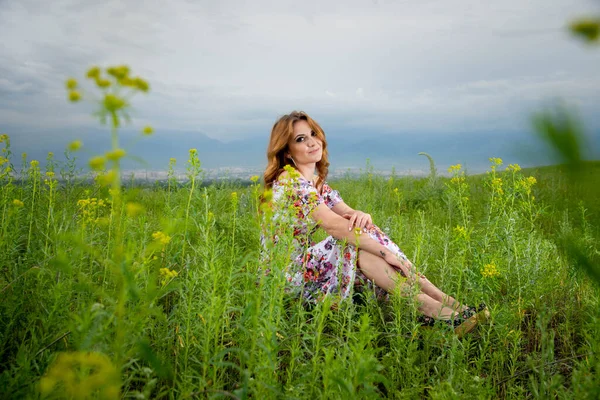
(469, 324)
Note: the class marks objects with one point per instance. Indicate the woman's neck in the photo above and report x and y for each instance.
(307, 171)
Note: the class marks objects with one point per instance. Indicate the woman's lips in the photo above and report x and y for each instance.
(312, 152)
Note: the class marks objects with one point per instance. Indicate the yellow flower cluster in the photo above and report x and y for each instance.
(161, 237)
(4, 138)
(148, 130)
(490, 271)
(50, 181)
(254, 179)
(461, 232)
(115, 155)
(3, 160)
(168, 274)
(34, 163)
(120, 74)
(75, 145)
(82, 375)
(134, 209)
(526, 183)
(292, 172)
(18, 203)
(454, 168)
(97, 163)
(107, 178)
(89, 209)
(497, 185)
(458, 179)
(513, 167)
(72, 85)
(496, 161)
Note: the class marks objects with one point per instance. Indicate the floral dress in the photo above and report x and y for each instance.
(317, 269)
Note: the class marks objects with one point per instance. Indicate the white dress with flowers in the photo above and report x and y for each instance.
(316, 269)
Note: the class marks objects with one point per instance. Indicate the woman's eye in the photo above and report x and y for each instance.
(313, 133)
(300, 139)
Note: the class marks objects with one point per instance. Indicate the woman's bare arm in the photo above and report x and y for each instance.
(337, 226)
(342, 208)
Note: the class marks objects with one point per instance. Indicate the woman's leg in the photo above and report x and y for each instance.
(383, 275)
(433, 291)
(426, 286)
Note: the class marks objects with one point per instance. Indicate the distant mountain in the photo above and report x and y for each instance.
(346, 150)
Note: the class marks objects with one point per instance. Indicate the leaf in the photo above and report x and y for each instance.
(563, 134)
(587, 29)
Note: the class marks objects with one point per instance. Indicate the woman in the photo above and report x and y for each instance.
(303, 201)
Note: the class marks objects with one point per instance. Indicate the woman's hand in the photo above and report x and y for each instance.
(358, 219)
(404, 267)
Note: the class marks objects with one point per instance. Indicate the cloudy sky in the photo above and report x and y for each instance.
(227, 69)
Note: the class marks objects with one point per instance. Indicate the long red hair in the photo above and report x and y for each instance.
(278, 146)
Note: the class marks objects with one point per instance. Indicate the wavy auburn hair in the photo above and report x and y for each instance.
(278, 145)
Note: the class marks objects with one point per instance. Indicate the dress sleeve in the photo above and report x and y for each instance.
(330, 196)
(307, 199)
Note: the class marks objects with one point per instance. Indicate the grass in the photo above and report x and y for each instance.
(159, 296)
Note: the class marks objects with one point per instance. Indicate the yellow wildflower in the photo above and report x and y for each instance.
(71, 83)
(134, 209)
(115, 155)
(74, 96)
(166, 275)
(3, 138)
(148, 130)
(497, 185)
(50, 174)
(396, 190)
(107, 178)
(82, 375)
(93, 73)
(490, 271)
(168, 272)
(3, 160)
(18, 203)
(254, 179)
(141, 84)
(75, 145)
(161, 237)
(34, 163)
(454, 168)
(102, 83)
(172, 160)
(97, 163)
(113, 103)
(496, 161)
(460, 231)
(119, 72)
(513, 167)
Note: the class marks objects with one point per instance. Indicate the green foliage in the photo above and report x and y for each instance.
(587, 29)
(187, 314)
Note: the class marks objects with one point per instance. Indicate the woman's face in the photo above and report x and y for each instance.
(304, 145)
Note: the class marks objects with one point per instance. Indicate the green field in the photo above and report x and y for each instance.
(153, 292)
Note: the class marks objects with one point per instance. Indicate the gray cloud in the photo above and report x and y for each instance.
(229, 68)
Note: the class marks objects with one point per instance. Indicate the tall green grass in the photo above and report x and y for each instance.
(174, 306)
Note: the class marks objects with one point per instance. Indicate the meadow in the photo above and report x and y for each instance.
(163, 299)
(112, 289)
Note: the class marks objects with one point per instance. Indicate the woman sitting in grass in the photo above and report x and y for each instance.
(357, 251)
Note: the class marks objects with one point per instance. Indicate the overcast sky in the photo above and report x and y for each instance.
(228, 69)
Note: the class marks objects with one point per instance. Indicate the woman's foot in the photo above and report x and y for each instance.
(469, 311)
(470, 323)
